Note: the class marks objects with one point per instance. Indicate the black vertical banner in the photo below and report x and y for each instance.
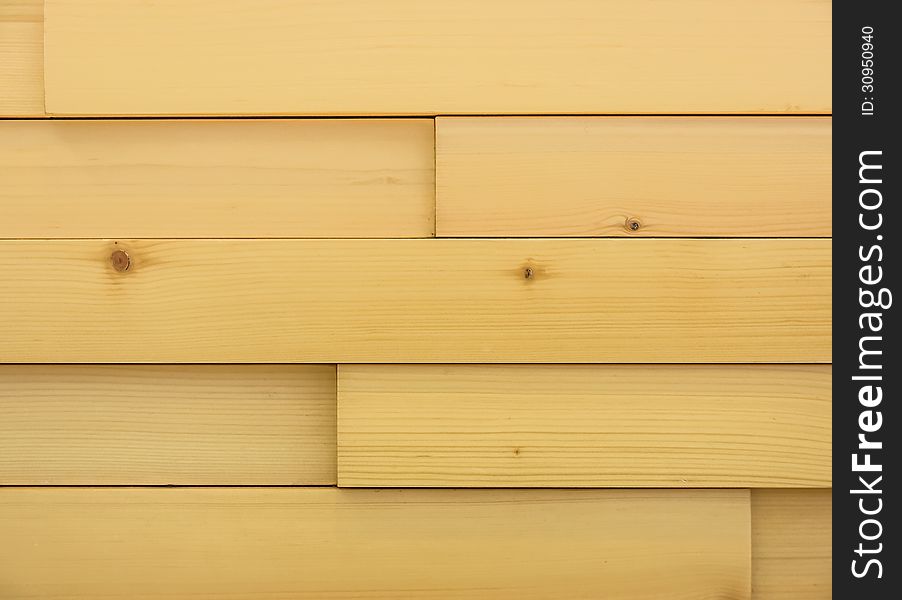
(867, 440)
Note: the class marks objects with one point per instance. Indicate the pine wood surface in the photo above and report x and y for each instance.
(287, 543)
(376, 301)
(217, 178)
(164, 425)
(21, 59)
(792, 544)
(584, 426)
(596, 176)
(355, 57)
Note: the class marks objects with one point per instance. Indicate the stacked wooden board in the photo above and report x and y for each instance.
(404, 300)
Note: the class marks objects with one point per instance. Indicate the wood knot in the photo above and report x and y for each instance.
(120, 260)
(633, 224)
(529, 271)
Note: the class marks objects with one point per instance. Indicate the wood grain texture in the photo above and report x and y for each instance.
(355, 57)
(21, 58)
(588, 176)
(329, 543)
(217, 178)
(159, 425)
(792, 544)
(584, 426)
(547, 301)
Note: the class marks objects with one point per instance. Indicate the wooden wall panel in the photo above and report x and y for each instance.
(584, 426)
(592, 176)
(448, 57)
(178, 240)
(379, 301)
(159, 425)
(217, 178)
(792, 544)
(21, 59)
(328, 543)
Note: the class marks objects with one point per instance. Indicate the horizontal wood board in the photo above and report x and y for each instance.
(329, 178)
(633, 176)
(355, 57)
(333, 301)
(164, 425)
(584, 426)
(328, 543)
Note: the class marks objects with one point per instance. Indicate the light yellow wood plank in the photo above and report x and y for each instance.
(21, 58)
(329, 543)
(448, 57)
(791, 544)
(158, 425)
(584, 426)
(217, 178)
(595, 176)
(547, 301)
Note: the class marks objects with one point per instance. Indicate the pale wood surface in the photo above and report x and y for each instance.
(792, 544)
(192, 201)
(329, 543)
(380, 301)
(217, 178)
(587, 176)
(446, 57)
(153, 425)
(584, 426)
(21, 59)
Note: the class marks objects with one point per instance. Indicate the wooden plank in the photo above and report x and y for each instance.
(217, 178)
(21, 58)
(548, 301)
(584, 426)
(357, 57)
(792, 555)
(592, 176)
(159, 425)
(329, 543)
